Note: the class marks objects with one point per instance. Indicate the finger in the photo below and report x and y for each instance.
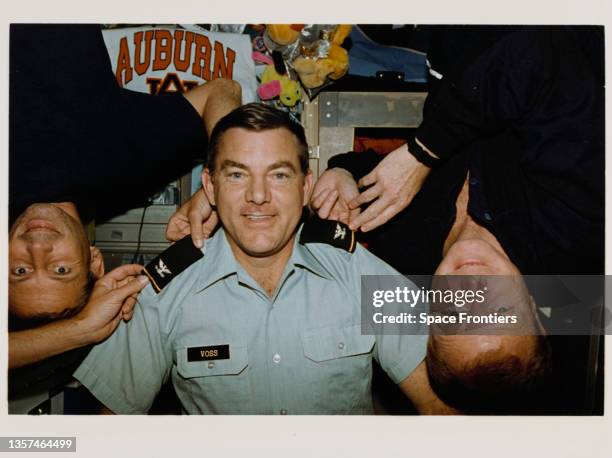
(171, 227)
(366, 196)
(121, 272)
(209, 226)
(196, 217)
(123, 282)
(177, 233)
(381, 219)
(353, 214)
(127, 310)
(369, 179)
(328, 204)
(368, 214)
(133, 287)
(178, 227)
(126, 280)
(127, 317)
(338, 214)
(128, 304)
(318, 200)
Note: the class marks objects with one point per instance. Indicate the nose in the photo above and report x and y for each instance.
(38, 248)
(258, 191)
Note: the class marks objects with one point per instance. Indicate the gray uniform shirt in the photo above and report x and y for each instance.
(300, 351)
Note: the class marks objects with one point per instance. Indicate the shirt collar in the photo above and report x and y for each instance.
(219, 261)
(303, 257)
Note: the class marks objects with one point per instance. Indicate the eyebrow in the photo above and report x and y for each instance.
(228, 163)
(281, 164)
(276, 165)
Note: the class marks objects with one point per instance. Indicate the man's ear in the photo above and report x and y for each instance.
(536, 316)
(209, 187)
(96, 265)
(308, 185)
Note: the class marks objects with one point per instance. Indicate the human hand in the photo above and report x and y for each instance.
(113, 299)
(393, 184)
(195, 217)
(334, 189)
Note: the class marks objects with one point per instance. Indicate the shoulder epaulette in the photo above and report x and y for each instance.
(333, 233)
(172, 262)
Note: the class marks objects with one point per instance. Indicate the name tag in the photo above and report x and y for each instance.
(208, 353)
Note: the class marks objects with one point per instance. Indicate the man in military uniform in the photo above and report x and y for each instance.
(266, 319)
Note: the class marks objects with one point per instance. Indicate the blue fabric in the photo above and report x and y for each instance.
(366, 57)
(300, 351)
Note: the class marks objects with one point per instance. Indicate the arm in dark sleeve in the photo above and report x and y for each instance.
(76, 136)
(499, 89)
(357, 164)
(161, 130)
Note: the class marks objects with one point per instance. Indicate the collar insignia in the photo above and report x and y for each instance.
(333, 233)
(172, 262)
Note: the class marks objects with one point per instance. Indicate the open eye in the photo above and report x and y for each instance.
(235, 175)
(19, 271)
(62, 270)
(281, 176)
(502, 309)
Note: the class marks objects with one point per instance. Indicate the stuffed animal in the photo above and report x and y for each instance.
(314, 71)
(284, 34)
(342, 31)
(312, 50)
(273, 85)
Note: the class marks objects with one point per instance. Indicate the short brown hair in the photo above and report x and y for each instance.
(495, 383)
(257, 117)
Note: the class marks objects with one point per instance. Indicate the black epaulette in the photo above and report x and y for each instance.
(333, 233)
(172, 262)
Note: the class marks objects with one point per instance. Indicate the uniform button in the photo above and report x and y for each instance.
(276, 358)
(341, 345)
(488, 216)
(473, 181)
(283, 411)
(211, 365)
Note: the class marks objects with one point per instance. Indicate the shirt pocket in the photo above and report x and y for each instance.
(339, 368)
(219, 386)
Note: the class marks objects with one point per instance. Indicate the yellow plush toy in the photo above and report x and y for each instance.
(314, 71)
(342, 31)
(284, 34)
(274, 85)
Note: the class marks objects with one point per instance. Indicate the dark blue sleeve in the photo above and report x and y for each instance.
(75, 135)
(537, 80)
(357, 164)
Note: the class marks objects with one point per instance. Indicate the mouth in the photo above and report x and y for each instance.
(257, 217)
(469, 263)
(40, 225)
(471, 268)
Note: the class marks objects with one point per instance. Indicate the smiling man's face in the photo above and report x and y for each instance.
(49, 262)
(259, 189)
